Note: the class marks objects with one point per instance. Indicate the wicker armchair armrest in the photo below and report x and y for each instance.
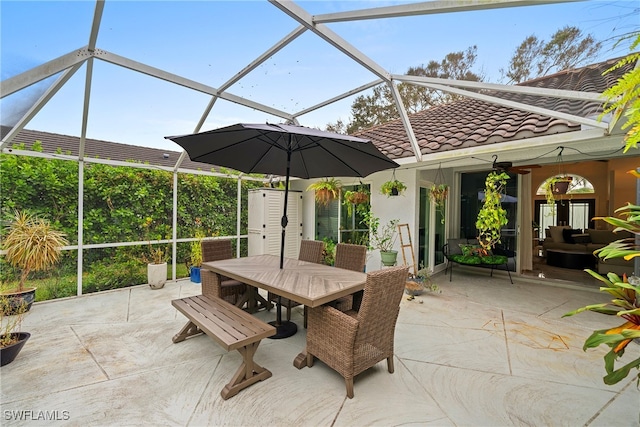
(335, 328)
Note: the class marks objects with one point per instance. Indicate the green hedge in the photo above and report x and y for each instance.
(121, 204)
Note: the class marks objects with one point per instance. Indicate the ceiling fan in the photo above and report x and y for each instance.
(508, 167)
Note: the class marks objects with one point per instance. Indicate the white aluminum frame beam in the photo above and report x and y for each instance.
(188, 83)
(519, 106)
(41, 72)
(304, 18)
(527, 90)
(405, 121)
(427, 8)
(37, 106)
(338, 98)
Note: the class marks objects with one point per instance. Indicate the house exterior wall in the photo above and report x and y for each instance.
(403, 207)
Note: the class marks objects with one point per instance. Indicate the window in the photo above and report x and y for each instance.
(343, 220)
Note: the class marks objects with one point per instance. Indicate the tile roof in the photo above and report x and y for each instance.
(471, 122)
(95, 148)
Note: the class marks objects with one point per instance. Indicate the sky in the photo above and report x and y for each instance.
(211, 41)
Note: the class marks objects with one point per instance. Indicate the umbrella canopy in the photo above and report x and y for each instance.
(263, 148)
(284, 150)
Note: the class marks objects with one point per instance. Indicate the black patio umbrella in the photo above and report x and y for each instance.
(285, 150)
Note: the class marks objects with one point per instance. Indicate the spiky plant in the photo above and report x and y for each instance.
(32, 244)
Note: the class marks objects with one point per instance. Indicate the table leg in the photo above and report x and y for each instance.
(254, 300)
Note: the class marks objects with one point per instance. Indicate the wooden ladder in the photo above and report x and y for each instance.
(403, 245)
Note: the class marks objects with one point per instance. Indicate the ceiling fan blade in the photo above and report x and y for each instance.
(519, 170)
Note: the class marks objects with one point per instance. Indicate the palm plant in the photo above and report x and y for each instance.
(32, 244)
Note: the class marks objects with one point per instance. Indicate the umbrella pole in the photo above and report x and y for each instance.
(287, 328)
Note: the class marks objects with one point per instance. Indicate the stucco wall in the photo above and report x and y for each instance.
(403, 207)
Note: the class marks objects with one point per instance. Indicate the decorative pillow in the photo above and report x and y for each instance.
(567, 234)
(581, 238)
(454, 246)
(555, 232)
(602, 236)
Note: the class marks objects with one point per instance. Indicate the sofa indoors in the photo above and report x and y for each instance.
(587, 241)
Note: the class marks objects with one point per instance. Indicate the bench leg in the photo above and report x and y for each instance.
(188, 330)
(247, 374)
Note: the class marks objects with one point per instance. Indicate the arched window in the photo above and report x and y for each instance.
(577, 185)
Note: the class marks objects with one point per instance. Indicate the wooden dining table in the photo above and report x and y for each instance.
(304, 282)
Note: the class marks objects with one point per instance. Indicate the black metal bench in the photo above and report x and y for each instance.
(451, 252)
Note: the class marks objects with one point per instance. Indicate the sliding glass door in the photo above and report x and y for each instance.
(431, 234)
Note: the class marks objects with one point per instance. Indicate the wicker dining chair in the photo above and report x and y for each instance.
(349, 257)
(352, 342)
(219, 286)
(311, 251)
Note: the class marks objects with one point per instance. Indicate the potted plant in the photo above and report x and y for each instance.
(420, 282)
(11, 338)
(554, 186)
(358, 198)
(626, 297)
(438, 194)
(383, 238)
(156, 261)
(31, 244)
(326, 190)
(195, 258)
(492, 217)
(393, 188)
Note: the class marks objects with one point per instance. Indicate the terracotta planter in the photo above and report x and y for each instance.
(9, 353)
(157, 275)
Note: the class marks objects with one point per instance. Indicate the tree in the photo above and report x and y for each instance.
(567, 49)
(379, 107)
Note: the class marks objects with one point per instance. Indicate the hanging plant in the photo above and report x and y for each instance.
(326, 190)
(554, 186)
(358, 198)
(438, 194)
(492, 217)
(393, 188)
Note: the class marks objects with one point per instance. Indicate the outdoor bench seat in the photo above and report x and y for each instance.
(233, 329)
(453, 252)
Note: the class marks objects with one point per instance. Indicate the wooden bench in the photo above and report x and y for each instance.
(233, 329)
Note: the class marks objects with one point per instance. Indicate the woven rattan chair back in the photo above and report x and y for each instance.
(311, 251)
(351, 257)
(216, 250)
(380, 307)
(219, 286)
(366, 337)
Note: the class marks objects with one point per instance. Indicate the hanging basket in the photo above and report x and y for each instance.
(561, 187)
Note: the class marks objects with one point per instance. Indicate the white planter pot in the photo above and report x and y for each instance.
(157, 275)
